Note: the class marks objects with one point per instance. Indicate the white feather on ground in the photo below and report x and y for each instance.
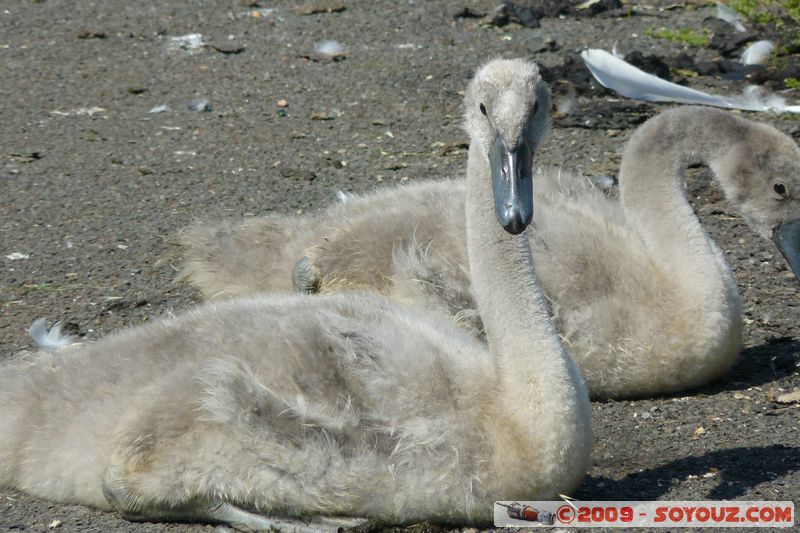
(330, 48)
(346, 197)
(627, 80)
(604, 183)
(51, 339)
(757, 53)
(730, 16)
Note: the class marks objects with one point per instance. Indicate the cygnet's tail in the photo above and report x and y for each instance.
(230, 259)
(21, 393)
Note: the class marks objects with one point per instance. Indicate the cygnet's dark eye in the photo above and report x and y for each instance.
(779, 188)
(535, 107)
(483, 109)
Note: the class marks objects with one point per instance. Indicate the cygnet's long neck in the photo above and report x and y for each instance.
(654, 198)
(535, 372)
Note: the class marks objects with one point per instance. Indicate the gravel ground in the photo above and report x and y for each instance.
(94, 186)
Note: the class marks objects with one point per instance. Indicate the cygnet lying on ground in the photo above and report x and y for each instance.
(641, 295)
(333, 408)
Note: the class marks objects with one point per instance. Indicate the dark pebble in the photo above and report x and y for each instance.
(683, 61)
(469, 13)
(600, 7)
(228, 48)
(724, 37)
(296, 173)
(509, 12)
(538, 45)
(573, 70)
(92, 34)
(651, 64)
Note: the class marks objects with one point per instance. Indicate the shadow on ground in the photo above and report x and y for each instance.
(736, 470)
(757, 365)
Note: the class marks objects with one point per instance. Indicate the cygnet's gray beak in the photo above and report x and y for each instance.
(787, 239)
(512, 184)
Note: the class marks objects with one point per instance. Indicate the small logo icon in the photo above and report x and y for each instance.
(527, 513)
(566, 514)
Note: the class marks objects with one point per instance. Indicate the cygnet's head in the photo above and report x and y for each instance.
(761, 175)
(507, 116)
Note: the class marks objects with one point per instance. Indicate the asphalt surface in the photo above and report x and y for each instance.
(93, 187)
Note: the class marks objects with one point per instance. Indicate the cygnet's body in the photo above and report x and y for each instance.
(640, 294)
(300, 406)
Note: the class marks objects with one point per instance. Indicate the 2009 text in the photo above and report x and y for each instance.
(645, 513)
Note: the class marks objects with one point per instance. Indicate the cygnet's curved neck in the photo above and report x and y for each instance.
(653, 195)
(533, 368)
